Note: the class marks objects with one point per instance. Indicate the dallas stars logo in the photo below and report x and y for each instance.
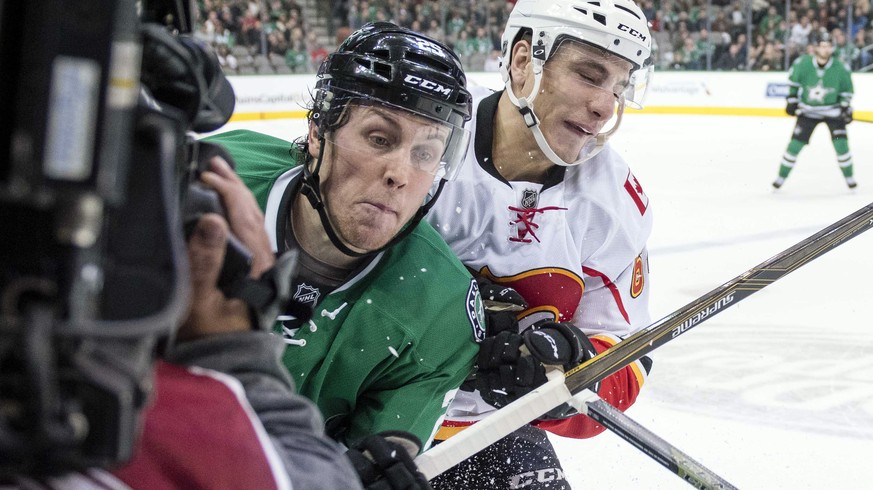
(819, 92)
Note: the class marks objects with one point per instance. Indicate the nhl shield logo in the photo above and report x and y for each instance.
(307, 294)
(529, 198)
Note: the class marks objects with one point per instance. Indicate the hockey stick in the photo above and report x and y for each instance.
(527, 408)
(656, 448)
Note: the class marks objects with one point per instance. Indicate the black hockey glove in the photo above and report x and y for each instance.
(846, 114)
(791, 106)
(507, 372)
(384, 461)
(501, 303)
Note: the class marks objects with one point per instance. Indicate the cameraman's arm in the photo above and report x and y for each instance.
(218, 335)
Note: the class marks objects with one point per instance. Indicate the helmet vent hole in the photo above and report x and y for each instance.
(583, 11)
(382, 53)
(596, 4)
(600, 18)
(382, 69)
(628, 11)
(427, 61)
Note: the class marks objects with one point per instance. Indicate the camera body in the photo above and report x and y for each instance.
(97, 162)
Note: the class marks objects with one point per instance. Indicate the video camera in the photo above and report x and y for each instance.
(98, 171)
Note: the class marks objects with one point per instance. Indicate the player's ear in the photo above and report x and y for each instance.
(520, 64)
(314, 144)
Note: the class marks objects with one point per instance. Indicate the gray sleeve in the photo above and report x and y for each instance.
(293, 422)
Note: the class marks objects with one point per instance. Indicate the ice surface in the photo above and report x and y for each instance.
(777, 391)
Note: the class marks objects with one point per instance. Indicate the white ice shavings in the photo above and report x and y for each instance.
(332, 314)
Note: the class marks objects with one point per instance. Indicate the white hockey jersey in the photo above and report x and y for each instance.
(573, 247)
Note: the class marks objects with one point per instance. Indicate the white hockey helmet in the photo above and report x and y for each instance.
(618, 27)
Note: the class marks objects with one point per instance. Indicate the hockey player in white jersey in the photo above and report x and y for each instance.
(546, 207)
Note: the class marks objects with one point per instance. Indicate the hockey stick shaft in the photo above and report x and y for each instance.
(656, 448)
(717, 300)
(499, 424)
(463, 445)
(496, 426)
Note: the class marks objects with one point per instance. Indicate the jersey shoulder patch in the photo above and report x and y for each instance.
(476, 311)
(635, 190)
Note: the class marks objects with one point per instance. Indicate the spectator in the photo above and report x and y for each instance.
(250, 29)
(297, 58)
(690, 54)
(799, 37)
(844, 51)
(731, 60)
(317, 52)
(770, 22)
(492, 62)
(226, 59)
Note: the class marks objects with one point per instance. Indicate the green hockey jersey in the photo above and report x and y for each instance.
(387, 349)
(820, 90)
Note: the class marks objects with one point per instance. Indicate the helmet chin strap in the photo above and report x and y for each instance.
(525, 108)
(311, 188)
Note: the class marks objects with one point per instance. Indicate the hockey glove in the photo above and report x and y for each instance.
(501, 304)
(384, 462)
(791, 107)
(846, 114)
(511, 365)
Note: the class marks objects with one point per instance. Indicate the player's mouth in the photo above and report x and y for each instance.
(578, 128)
(380, 207)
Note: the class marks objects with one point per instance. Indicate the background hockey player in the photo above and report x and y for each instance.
(821, 91)
(396, 315)
(545, 207)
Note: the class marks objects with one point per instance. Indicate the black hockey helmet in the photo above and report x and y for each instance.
(385, 64)
(395, 65)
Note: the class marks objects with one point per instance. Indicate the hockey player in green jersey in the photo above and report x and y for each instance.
(396, 315)
(821, 91)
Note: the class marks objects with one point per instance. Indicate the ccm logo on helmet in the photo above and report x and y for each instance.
(427, 85)
(633, 32)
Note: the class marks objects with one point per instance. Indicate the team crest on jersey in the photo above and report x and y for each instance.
(529, 198)
(307, 294)
(552, 293)
(476, 311)
(635, 190)
(639, 280)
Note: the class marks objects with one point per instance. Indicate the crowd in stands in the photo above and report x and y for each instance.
(262, 37)
(686, 39)
(272, 36)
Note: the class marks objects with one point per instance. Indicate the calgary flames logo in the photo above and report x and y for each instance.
(552, 293)
(638, 281)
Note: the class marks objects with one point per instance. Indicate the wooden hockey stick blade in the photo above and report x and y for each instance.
(527, 408)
